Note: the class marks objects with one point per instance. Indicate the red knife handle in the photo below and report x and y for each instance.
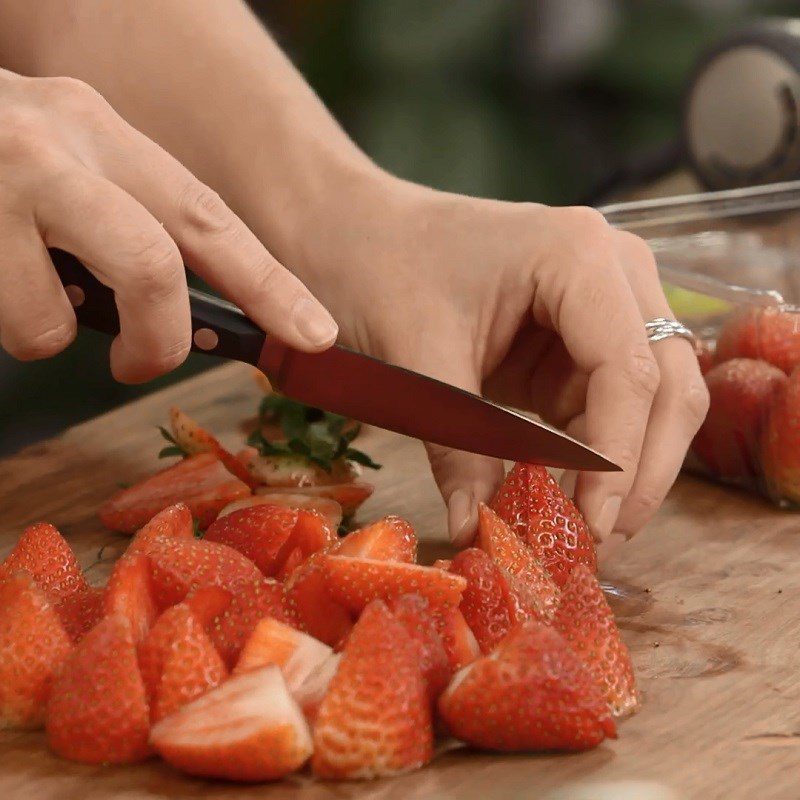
(218, 328)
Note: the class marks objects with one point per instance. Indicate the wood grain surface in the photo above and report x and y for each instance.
(708, 599)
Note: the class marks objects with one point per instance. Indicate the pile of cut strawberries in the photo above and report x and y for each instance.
(751, 434)
(241, 637)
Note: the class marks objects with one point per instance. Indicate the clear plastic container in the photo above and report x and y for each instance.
(730, 263)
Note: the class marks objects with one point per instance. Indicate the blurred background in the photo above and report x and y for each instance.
(516, 99)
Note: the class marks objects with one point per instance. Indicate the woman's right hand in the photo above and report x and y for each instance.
(77, 177)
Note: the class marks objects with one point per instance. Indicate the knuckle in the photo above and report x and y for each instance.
(22, 132)
(637, 250)
(171, 355)
(49, 341)
(153, 267)
(641, 370)
(268, 276)
(71, 93)
(203, 210)
(589, 222)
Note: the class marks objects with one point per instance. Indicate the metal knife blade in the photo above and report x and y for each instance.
(377, 393)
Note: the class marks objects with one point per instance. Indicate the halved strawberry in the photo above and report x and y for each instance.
(200, 481)
(80, 611)
(129, 592)
(308, 599)
(585, 620)
(97, 712)
(33, 646)
(459, 641)
(541, 514)
(193, 438)
(310, 535)
(191, 667)
(174, 522)
(296, 653)
(531, 693)
(329, 509)
(388, 539)
(263, 597)
(248, 729)
(414, 614)
(348, 494)
(486, 604)
(293, 561)
(533, 592)
(375, 720)
(355, 582)
(295, 471)
(311, 692)
(179, 566)
(44, 553)
(258, 532)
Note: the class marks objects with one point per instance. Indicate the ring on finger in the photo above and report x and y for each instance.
(662, 328)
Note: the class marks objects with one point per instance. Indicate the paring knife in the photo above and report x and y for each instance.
(349, 383)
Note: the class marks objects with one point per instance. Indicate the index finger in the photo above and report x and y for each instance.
(591, 306)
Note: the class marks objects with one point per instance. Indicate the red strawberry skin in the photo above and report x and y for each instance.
(200, 481)
(769, 334)
(533, 693)
(97, 712)
(585, 620)
(541, 514)
(81, 611)
(258, 532)
(375, 720)
(742, 391)
(458, 639)
(44, 553)
(355, 582)
(780, 443)
(174, 522)
(415, 615)
(33, 646)
(485, 604)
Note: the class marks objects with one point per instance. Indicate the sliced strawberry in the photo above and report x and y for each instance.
(293, 561)
(532, 693)
(355, 582)
(179, 566)
(375, 720)
(348, 494)
(97, 712)
(309, 602)
(191, 667)
(193, 438)
(130, 593)
(263, 597)
(81, 611)
(458, 639)
(313, 689)
(200, 481)
(533, 593)
(174, 522)
(415, 615)
(585, 620)
(295, 471)
(311, 534)
(486, 605)
(33, 646)
(44, 553)
(248, 729)
(329, 509)
(388, 539)
(258, 532)
(296, 653)
(443, 563)
(541, 514)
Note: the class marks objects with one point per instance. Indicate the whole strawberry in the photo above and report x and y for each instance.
(780, 443)
(541, 514)
(770, 334)
(741, 391)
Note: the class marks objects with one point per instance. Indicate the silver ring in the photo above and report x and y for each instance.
(662, 328)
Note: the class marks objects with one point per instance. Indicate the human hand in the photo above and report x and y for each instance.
(76, 176)
(540, 308)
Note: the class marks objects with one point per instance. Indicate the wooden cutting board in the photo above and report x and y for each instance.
(708, 599)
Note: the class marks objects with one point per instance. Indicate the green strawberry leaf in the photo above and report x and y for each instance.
(173, 449)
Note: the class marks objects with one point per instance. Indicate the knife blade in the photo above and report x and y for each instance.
(350, 383)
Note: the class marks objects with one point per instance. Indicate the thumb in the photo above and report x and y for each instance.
(464, 479)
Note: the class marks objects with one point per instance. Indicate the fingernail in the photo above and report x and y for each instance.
(604, 522)
(461, 519)
(314, 323)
